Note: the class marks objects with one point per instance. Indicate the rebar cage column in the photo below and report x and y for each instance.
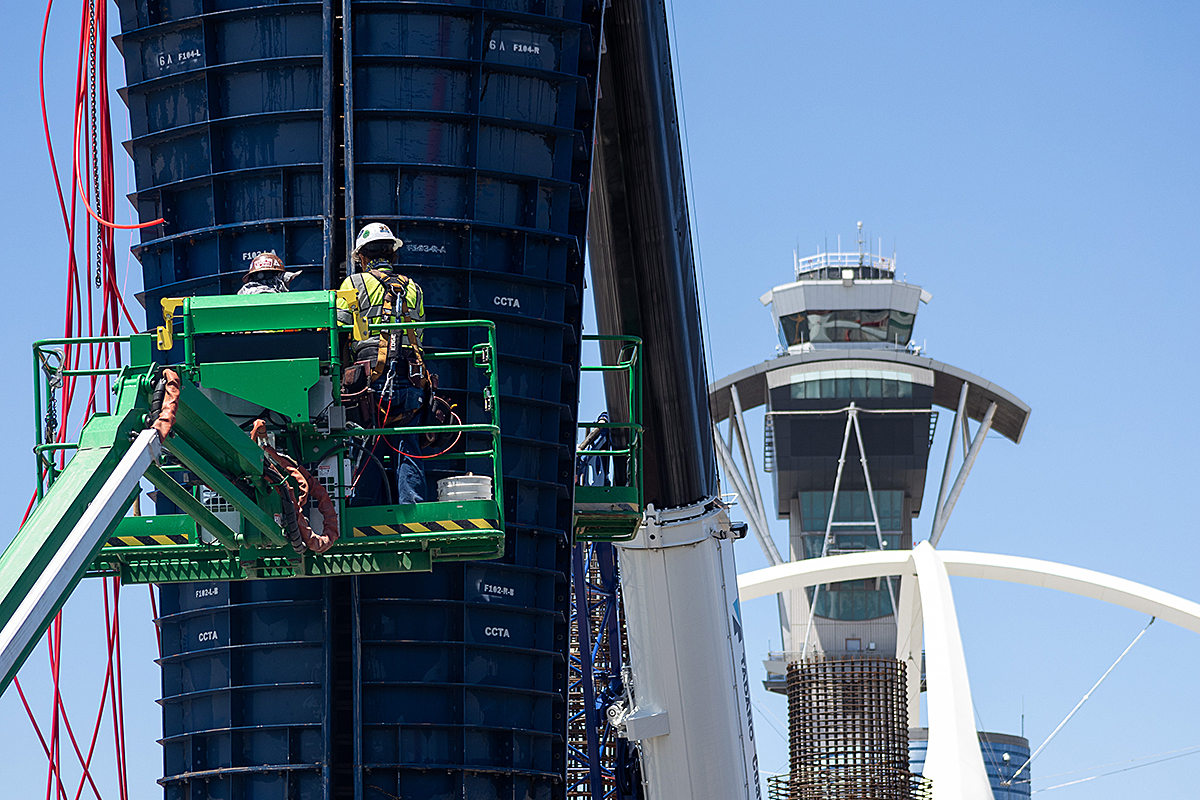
(848, 729)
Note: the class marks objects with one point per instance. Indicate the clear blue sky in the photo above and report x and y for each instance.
(1035, 167)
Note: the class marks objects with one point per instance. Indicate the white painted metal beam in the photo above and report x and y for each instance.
(910, 642)
(943, 513)
(953, 760)
(959, 414)
(953, 745)
(1012, 569)
(1075, 580)
(757, 524)
(738, 422)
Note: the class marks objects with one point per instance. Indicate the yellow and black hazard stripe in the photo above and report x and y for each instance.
(441, 526)
(142, 541)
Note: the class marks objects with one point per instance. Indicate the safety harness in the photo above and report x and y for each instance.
(396, 285)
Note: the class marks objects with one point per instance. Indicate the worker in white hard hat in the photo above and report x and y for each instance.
(266, 275)
(387, 375)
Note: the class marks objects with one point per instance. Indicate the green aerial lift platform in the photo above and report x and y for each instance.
(223, 483)
(609, 496)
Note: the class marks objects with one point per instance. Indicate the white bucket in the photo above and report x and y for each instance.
(465, 487)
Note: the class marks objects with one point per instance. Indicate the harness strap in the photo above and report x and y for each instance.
(396, 285)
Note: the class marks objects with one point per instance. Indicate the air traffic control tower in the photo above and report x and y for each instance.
(851, 410)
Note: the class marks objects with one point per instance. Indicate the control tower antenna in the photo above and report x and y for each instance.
(860, 244)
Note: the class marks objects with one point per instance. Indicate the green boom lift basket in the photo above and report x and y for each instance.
(609, 505)
(229, 528)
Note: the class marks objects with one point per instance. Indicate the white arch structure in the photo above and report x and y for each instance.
(953, 761)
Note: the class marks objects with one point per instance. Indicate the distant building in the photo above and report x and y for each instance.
(1003, 755)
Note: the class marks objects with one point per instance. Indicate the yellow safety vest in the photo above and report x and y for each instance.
(371, 293)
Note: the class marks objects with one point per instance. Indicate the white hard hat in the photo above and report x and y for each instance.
(376, 232)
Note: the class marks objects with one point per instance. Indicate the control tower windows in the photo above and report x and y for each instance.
(851, 384)
(840, 543)
(829, 327)
(852, 506)
(854, 601)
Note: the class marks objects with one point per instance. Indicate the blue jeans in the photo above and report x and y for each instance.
(405, 475)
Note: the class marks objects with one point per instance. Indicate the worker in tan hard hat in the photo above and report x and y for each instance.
(387, 374)
(266, 275)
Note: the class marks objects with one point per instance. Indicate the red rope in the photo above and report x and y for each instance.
(56, 655)
(54, 642)
(88, 41)
(119, 696)
(96, 309)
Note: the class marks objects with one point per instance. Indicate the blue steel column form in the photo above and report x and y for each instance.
(327, 697)
(469, 130)
(457, 679)
(356, 671)
(328, 156)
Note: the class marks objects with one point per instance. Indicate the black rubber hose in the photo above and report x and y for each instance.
(158, 395)
(387, 484)
(291, 527)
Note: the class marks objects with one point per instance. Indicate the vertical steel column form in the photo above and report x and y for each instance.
(348, 161)
(583, 627)
(690, 684)
(327, 709)
(943, 513)
(641, 251)
(953, 762)
(328, 151)
(356, 673)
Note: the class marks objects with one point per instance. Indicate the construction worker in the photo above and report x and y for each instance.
(266, 275)
(387, 373)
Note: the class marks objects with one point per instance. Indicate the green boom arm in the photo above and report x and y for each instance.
(86, 504)
(54, 548)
